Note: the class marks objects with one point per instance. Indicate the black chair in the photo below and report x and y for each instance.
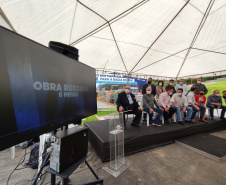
(124, 115)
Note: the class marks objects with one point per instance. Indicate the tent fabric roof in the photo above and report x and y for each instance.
(159, 38)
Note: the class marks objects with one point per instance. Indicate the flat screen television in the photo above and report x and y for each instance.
(40, 89)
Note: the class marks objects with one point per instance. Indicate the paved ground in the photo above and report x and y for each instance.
(104, 105)
(213, 81)
(171, 164)
(221, 134)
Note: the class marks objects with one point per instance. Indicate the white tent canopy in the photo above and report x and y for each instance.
(161, 38)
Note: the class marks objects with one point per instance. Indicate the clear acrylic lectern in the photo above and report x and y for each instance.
(118, 163)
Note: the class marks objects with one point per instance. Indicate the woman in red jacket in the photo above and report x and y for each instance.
(201, 100)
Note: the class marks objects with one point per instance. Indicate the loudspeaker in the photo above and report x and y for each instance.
(64, 49)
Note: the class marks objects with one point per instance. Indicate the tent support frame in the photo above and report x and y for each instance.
(160, 34)
(110, 29)
(2, 13)
(110, 21)
(209, 51)
(197, 32)
(161, 60)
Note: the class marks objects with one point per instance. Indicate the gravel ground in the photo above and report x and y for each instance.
(171, 164)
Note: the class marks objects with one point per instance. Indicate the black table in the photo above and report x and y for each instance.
(66, 173)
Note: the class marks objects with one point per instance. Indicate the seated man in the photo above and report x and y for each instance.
(127, 101)
(153, 87)
(214, 101)
(179, 101)
(164, 102)
(148, 105)
(193, 104)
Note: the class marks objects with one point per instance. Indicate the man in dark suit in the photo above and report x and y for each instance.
(127, 101)
(171, 83)
(149, 84)
(153, 87)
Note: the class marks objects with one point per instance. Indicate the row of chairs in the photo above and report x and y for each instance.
(174, 117)
(148, 118)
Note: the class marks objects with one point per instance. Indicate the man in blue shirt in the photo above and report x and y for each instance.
(183, 86)
(194, 105)
(214, 101)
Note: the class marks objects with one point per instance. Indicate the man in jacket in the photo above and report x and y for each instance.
(215, 101)
(153, 87)
(127, 102)
(171, 83)
(149, 84)
(148, 105)
(200, 87)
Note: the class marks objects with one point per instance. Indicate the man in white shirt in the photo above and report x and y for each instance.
(179, 101)
(183, 86)
(164, 102)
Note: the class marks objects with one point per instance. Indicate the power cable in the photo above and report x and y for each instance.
(19, 163)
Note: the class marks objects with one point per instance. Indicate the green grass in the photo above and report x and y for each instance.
(94, 118)
(102, 113)
(221, 86)
(109, 109)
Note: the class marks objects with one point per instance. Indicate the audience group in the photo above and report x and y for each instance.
(166, 101)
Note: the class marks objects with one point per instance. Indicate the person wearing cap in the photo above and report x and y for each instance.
(148, 104)
(214, 101)
(200, 87)
(183, 86)
(171, 83)
(127, 102)
(160, 89)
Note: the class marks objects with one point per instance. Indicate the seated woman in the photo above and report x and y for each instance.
(201, 101)
(148, 105)
(160, 89)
